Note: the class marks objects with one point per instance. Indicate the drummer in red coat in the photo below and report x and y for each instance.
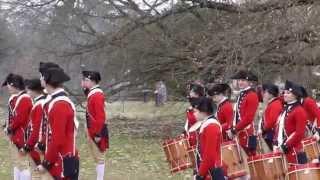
(271, 113)
(313, 114)
(245, 110)
(210, 139)
(61, 155)
(224, 112)
(35, 90)
(96, 119)
(291, 126)
(19, 106)
(196, 90)
(313, 111)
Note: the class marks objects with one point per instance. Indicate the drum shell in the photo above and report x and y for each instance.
(180, 155)
(270, 166)
(311, 147)
(230, 157)
(304, 172)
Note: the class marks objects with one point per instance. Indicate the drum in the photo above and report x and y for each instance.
(179, 154)
(231, 158)
(311, 147)
(268, 166)
(304, 172)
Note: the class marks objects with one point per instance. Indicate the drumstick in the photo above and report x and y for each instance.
(265, 146)
(245, 162)
(197, 155)
(259, 141)
(238, 147)
(310, 129)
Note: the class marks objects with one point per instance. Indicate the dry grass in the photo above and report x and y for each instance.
(139, 110)
(136, 131)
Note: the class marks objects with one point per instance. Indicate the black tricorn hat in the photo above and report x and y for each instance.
(55, 76)
(271, 88)
(43, 66)
(92, 75)
(253, 76)
(204, 104)
(293, 88)
(247, 75)
(304, 92)
(33, 84)
(220, 88)
(14, 80)
(198, 89)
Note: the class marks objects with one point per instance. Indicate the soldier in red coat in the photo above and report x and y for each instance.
(291, 126)
(313, 112)
(224, 112)
(245, 110)
(97, 130)
(19, 106)
(210, 139)
(271, 113)
(41, 144)
(196, 90)
(61, 155)
(35, 90)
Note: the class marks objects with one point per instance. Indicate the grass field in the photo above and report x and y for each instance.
(136, 133)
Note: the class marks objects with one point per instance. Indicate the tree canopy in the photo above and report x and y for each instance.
(144, 41)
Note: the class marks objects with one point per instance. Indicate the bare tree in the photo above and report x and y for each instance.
(145, 41)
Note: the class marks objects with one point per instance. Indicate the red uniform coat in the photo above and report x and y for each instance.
(36, 116)
(43, 125)
(11, 104)
(96, 116)
(191, 120)
(295, 121)
(19, 106)
(210, 139)
(61, 132)
(246, 107)
(225, 116)
(271, 114)
(312, 110)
